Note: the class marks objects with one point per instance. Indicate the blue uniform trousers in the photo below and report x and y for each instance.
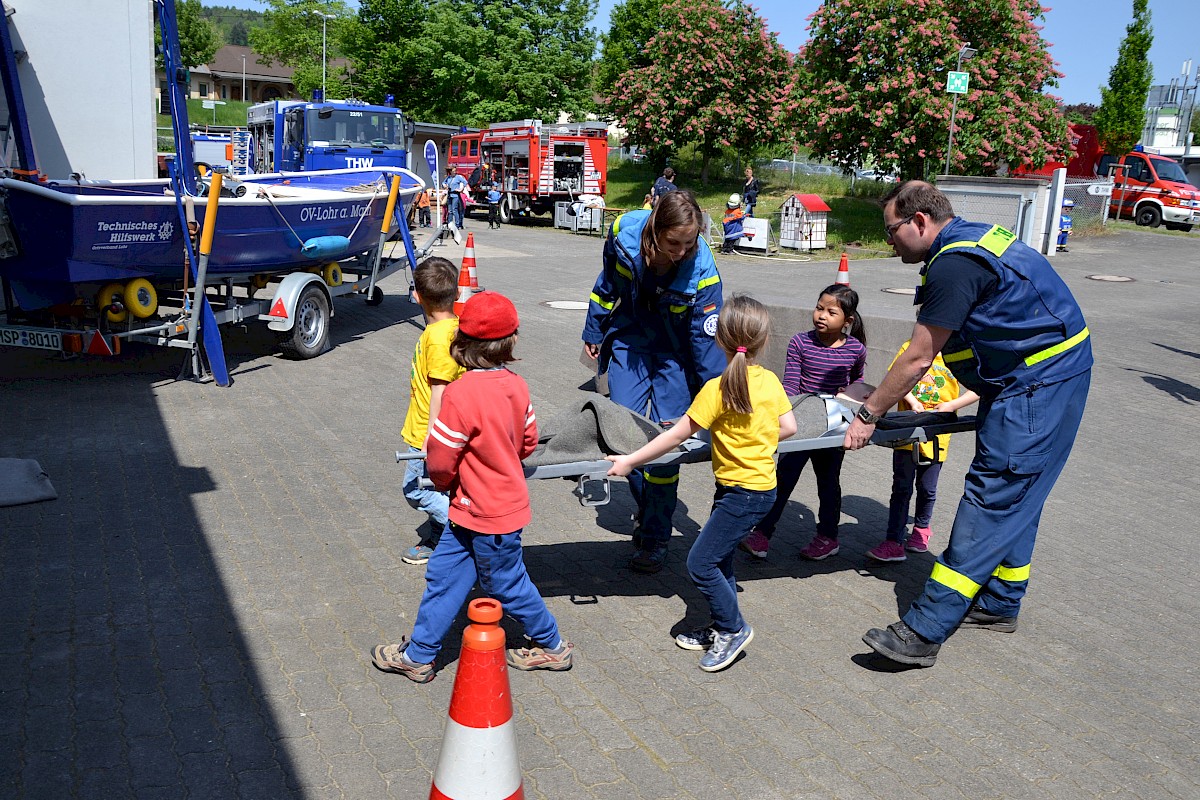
(655, 385)
(1022, 444)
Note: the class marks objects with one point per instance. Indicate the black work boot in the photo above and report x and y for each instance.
(902, 644)
(978, 618)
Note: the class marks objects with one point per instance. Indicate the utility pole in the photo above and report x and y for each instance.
(324, 19)
(965, 53)
(243, 79)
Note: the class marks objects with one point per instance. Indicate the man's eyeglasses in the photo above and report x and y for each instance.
(890, 230)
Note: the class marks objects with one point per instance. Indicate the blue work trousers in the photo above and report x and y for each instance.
(434, 503)
(827, 464)
(655, 385)
(906, 472)
(461, 558)
(1021, 446)
(710, 562)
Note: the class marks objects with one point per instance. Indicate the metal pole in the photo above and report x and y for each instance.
(323, 20)
(953, 114)
(243, 79)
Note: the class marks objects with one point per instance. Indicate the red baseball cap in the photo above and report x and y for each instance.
(488, 315)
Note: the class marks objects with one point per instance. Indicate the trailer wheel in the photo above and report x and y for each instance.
(332, 274)
(111, 300)
(1148, 216)
(376, 297)
(310, 333)
(140, 298)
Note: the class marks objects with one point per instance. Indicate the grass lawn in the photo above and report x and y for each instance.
(233, 113)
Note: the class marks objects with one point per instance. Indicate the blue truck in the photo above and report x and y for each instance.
(297, 136)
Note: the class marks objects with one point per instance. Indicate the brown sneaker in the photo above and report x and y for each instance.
(390, 658)
(537, 657)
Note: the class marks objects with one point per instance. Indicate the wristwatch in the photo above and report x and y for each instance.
(866, 416)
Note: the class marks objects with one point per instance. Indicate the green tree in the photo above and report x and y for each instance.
(716, 78)
(291, 34)
(238, 33)
(198, 39)
(632, 24)
(1122, 114)
(387, 48)
(872, 82)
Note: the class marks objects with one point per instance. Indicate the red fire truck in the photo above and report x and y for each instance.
(536, 164)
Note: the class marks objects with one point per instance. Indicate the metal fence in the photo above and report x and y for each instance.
(1091, 198)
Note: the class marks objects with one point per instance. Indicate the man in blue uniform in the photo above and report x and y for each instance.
(1010, 330)
(651, 322)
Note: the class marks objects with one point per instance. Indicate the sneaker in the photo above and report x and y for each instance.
(819, 548)
(887, 550)
(391, 658)
(699, 639)
(756, 543)
(725, 648)
(649, 559)
(417, 554)
(903, 645)
(978, 618)
(537, 657)
(918, 540)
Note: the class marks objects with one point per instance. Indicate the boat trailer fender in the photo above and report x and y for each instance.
(281, 314)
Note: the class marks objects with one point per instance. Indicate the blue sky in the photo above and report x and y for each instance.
(1084, 35)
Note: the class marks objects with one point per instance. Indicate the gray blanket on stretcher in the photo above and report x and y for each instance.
(593, 427)
(22, 480)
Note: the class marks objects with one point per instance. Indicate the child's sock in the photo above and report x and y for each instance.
(558, 648)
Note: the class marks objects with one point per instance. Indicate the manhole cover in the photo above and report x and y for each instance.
(566, 305)
(899, 290)
(1110, 278)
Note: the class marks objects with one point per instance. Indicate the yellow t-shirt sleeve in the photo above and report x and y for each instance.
(707, 406)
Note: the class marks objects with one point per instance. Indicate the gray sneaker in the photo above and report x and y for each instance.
(699, 639)
(534, 656)
(725, 648)
(391, 658)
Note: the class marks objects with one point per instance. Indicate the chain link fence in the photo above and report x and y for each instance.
(1091, 198)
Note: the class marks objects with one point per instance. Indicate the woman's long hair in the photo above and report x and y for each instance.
(742, 329)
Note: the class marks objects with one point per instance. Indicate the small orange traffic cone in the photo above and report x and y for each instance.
(468, 262)
(843, 276)
(479, 750)
(464, 289)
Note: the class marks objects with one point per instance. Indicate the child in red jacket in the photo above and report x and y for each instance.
(485, 428)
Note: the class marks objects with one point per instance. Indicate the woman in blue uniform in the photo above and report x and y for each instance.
(1010, 330)
(651, 322)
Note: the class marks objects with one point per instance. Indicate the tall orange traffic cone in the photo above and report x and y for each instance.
(478, 760)
(468, 262)
(464, 289)
(843, 276)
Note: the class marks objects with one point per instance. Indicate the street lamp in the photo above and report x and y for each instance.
(965, 53)
(243, 79)
(324, 19)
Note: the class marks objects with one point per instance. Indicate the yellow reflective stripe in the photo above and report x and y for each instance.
(617, 225)
(600, 302)
(1061, 347)
(950, 246)
(997, 240)
(959, 355)
(621, 268)
(1012, 574)
(705, 283)
(954, 580)
(661, 480)
(678, 309)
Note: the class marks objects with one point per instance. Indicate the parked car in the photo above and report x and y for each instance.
(800, 167)
(876, 175)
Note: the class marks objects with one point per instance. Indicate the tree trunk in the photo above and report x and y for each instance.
(704, 167)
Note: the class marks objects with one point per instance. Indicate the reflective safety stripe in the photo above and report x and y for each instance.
(617, 225)
(958, 355)
(602, 303)
(678, 309)
(1012, 574)
(1061, 347)
(706, 282)
(954, 580)
(997, 240)
(621, 268)
(660, 479)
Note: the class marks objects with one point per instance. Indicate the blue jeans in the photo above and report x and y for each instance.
(431, 501)
(461, 558)
(827, 464)
(710, 562)
(905, 471)
(455, 208)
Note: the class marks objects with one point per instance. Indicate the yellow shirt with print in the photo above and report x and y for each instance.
(431, 359)
(743, 445)
(938, 385)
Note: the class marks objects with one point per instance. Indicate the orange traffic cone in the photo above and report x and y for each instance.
(479, 750)
(464, 289)
(843, 276)
(468, 262)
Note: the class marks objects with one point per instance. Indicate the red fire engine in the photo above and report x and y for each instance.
(535, 164)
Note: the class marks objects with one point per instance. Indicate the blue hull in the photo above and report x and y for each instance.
(100, 232)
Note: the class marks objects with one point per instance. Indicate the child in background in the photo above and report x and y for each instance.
(747, 412)
(423, 215)
(733, 223)
(648, 202)
(435, 282)
(937, 391)
(485, 428)
(493, 200)
(829, 359)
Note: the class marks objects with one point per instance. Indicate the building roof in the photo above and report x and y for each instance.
(811, 202)
(227, 63)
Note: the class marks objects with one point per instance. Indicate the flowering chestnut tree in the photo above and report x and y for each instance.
(715, 77)
(872, 85)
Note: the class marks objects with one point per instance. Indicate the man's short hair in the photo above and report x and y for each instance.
(436, 282)
(911, 197)
(669, 174)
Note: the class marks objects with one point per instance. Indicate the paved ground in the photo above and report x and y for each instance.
(192, 617)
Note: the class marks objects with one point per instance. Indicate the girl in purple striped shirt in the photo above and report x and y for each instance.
(829, 359)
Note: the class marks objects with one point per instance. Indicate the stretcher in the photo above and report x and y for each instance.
(893, 429)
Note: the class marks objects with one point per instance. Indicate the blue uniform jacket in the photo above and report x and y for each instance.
(682, 318)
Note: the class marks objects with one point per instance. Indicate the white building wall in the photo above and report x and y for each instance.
(87, 77)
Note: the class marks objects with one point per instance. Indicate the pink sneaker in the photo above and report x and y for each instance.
(887, 550)
(918, 541)
(756, 543)
(820, 547)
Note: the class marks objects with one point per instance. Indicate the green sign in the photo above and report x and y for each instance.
(956, 82)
